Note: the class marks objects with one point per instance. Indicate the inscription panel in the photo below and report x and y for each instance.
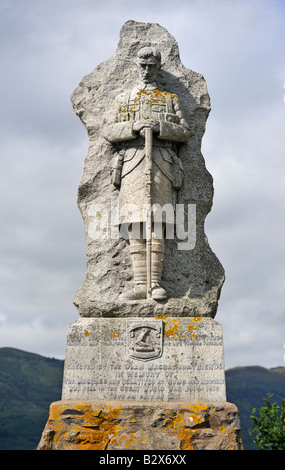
(142, 360)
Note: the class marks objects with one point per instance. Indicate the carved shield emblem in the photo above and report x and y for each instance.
(145, 340)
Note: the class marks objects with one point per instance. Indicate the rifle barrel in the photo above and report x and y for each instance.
(148, 173)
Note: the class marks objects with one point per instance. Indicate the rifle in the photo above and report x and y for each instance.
(148, 173)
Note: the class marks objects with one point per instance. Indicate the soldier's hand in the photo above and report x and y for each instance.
(138, 125)
(154, 125)
(149, 123)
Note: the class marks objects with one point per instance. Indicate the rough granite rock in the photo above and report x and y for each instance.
(112, 426)
(193, 278)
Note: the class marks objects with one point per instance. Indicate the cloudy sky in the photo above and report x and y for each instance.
(46, 48)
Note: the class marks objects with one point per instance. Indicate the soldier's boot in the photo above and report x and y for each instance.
(138, 257)
(157, 258)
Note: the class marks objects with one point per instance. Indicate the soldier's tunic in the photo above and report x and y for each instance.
(147, 102)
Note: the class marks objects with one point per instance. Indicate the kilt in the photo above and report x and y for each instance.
(133, 198)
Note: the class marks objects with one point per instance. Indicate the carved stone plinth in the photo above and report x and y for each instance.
(93, 425)
(139, 359)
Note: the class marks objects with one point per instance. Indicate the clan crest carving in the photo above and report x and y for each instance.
(145, 340)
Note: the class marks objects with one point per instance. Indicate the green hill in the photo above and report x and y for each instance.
(30, 382)
(247, 386)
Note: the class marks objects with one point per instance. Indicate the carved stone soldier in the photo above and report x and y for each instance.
(146, 106)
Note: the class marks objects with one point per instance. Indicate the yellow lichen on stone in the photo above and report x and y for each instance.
(184, 425)
(171, 331)
(227, 438)
(161, 317)
(195, 418)
(174, 329)
(81, 427)
(109, 426)
(198, 407)
(191, 327)
(131, 441)
(186, 435)
(183, 433)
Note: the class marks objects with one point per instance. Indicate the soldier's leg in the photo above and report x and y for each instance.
(138, 258)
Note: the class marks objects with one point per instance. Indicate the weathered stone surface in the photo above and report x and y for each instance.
(131, 426)
(192, 278)
(135, 359)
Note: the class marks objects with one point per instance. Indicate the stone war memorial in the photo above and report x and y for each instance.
(144, 364)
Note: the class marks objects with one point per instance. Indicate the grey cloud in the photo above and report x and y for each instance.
(46, 48)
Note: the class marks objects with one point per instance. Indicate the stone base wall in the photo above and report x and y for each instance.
(94, 425)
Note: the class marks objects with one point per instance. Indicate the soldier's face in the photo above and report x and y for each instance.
(148, 72)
